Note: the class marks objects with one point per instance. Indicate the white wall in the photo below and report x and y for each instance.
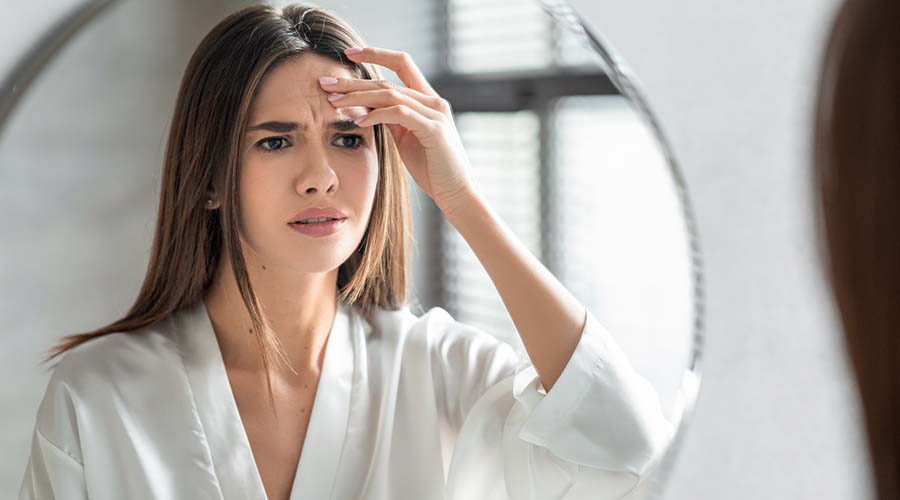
(733, 83)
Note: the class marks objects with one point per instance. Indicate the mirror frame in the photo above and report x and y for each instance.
(624, 80)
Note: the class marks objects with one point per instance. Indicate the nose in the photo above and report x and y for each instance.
(316, 174)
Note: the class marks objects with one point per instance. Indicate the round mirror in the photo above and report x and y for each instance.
(562, 146)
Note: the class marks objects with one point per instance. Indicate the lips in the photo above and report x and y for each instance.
(315, 220)
(318, 212)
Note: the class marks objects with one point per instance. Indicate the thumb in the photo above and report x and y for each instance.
(397, 131)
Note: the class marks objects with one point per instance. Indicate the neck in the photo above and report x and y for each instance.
(300, 307)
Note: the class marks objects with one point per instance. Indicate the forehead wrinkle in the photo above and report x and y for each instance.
(295, 85)
(304, 108)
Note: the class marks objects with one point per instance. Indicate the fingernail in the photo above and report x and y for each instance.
(335, 97)
(353, 50)
(360, 119)
(327, 80)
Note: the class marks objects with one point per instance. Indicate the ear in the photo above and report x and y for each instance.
(211, 195)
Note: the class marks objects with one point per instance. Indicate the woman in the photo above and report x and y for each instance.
(857, 181)
(244, 287)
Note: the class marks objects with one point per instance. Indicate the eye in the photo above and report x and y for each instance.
(359, 140)
(269, 140)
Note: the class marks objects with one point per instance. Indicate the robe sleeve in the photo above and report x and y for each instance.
(600, 417)
(465, 363)
(51, 473)
(55, 468)
(595, 435)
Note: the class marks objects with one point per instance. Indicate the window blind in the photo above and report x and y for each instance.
(498, 35)
(504, 151)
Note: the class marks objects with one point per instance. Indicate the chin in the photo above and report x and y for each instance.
(310, 260)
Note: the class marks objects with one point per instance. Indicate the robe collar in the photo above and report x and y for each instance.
(225, 435)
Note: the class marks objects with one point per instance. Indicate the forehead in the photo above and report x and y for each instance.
(293, 87)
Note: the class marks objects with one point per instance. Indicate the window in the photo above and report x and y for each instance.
(509, 71)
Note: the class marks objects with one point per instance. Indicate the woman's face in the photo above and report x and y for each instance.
(305, 162)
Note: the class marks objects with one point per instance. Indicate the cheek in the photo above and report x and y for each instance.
(371, 170)
(257, 186)
(358, 183)
(367, 183)
(358, 173)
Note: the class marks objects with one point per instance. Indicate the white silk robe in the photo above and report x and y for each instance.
(151, 414)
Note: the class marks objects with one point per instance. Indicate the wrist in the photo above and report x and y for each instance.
(452, 206)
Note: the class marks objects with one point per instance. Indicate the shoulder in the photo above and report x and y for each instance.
(117, 356)
(133, 369)
(101, 376)
(403, 322)
(437, 330)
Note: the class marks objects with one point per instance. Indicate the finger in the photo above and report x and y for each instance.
(346, 85)
(423, 128)
(383, 98)
(398, 62)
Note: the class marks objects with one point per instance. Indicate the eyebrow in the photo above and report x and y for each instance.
(282, 127)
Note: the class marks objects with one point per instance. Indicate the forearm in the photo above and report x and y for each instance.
(547, 316)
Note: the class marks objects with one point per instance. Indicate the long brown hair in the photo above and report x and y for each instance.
(856, 173)
(203, 151)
